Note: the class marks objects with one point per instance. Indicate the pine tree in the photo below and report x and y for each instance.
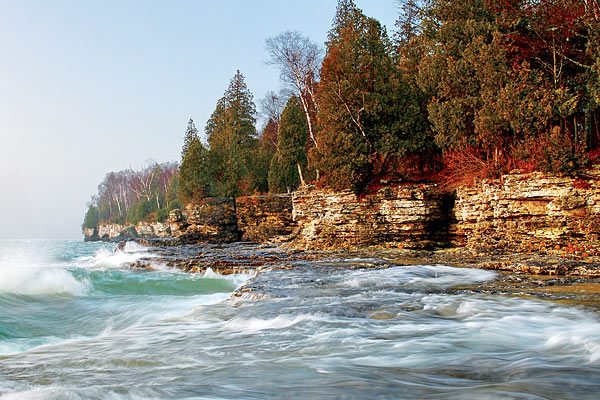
(193, 182)
(367, 115)
(191, 133)
(290, 160)
(232, 139)
(91, 217)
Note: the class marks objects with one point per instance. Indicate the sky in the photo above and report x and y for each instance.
(88, 87)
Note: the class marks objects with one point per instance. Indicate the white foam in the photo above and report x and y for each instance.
(254, 325)
(437, 276)
(133, 247)
(34, 280)
(106, 259)
(238, 279)
(584, 337)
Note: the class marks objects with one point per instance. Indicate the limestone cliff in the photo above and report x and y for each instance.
(216, 220)
(117, 232)
(265, 218)
(531, 210)
(516, 212)
(411, 215)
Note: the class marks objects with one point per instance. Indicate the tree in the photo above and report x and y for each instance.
(367, 114)
(272, 105)
(121, 192)
(409, 25)
(286, 170)
(299, 60)
(91, 217)
(232, 139)
(191, 133)
(554, 37)
(193, 184)
(269, 135)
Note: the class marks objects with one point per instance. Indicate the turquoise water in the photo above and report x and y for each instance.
(77, 323)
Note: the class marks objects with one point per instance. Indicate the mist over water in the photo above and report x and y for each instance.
(77, 323)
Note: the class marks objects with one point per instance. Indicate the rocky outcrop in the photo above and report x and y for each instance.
(530, 211)
(118, 232)
(265, 218)
(413, 216)
(90, 234)
(210, 220)
(519, 211)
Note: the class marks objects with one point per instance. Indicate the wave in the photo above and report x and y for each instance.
(254, 325)
(36, 280)
(107, 259)
(415, 276)
(515, 322)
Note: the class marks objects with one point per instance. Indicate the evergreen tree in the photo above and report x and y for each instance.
(192, 174)
(171, 195)
(290, 160)
(464, 68)
(191, 133)
(504, 82)
(91, 217)
(368, 117)
(232, 140)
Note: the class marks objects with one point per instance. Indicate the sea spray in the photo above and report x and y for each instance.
(356, 328)
(46, 299)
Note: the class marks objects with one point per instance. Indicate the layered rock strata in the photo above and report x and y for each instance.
(118, 232)
(212, 220)
(265, 218)
(519, 212)
(415, 216)
(530, 211)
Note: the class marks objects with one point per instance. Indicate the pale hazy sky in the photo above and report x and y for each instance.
(88, 87)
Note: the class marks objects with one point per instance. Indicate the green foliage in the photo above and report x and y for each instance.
(171, 195)
(232, 142)
(368, 116)
(193, 182)
(162, 214)
(143, 209)
(502, 76)
(291, 155)
(463, 73)
(120, 193)
(191, 134)
(91, 217)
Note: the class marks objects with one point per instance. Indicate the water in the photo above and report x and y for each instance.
(77, 323)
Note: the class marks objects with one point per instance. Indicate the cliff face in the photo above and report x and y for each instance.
(211, 220)
(411, 215)
(517, 212)
(217, 220)
(117, 232)
(529, 211)
(265, 218)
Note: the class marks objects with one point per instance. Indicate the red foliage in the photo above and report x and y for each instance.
(544, 32)
(581, 184)
(463, 167)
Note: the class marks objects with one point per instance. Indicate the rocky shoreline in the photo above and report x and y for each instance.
(546, 276)
(541, 233)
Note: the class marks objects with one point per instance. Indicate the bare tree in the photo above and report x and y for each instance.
(143, 180)
(272, 105)
(300, 61)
